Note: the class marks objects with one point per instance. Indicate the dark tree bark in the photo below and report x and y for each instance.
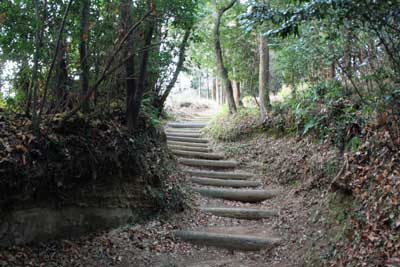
(214, 89)
(35, 70)
(54, 60)
(223, 72)
(61, 76)
(263, 88)
(142, 76)
(108, 70)
(236, 91)
(131, 86)
(83, 49)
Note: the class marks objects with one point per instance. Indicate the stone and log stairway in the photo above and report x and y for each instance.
(215, 177)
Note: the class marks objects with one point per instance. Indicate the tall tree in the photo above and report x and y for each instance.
(130, 82)
(38, 46)
(61, 76)
(263, 87)
(141, 86)
(83, 48)
(179, 66)
(223, 72)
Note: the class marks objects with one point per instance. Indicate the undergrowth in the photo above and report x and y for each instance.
(230, 127)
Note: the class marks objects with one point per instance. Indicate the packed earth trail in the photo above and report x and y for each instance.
(238, 214)
(226, 192)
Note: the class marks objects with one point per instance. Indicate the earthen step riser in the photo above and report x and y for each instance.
(209, 163)
(200, 155)
(220, 175)
(186, 125)
(190, 148)
(249, 196)
(176, 143)
(179, 130)
(236, 242)
(226, 183)
(186, 139)
(240, 213)
(192, 135)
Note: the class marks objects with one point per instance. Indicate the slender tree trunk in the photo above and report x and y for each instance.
(60, 40)
(208, 85)
(263, 88)
(142, 74)
(61, 76)
(83, 49)
(214, 89)
(35, 86)
(179, 66)
(218, 87)
(131, 87)
(200, 84)
(236, 91)
(223, 72)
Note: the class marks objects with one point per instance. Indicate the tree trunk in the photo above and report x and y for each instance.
(236, 91)
(263, 88)
(200, 84)
(214, 89)
(179, 66)
(83, 49)
(223, 72)
(208, 85)
(142, 74)
(61, 91)
(218, 90)
(131, 87)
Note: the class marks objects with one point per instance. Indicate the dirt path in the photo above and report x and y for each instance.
(225, 208)
(277, 232)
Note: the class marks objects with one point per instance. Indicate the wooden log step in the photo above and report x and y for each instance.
(190, 148)
(176, 143)
(186, 139)
(229, 241)
(221, 175)
(177, 134)
(240, 213)
(250, 196)
(209, 163)
(182, 130)
(187, 124)
(200, 155)
(223, 182)
(197, 121)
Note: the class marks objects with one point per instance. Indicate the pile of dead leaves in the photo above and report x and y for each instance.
(373, 237)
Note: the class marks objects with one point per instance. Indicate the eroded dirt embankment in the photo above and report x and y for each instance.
(86, 175)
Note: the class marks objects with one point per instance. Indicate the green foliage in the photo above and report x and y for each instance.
(322, 111)
(230, 127)
(150, 110)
